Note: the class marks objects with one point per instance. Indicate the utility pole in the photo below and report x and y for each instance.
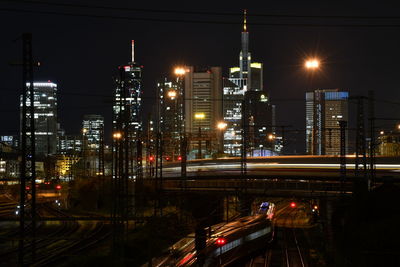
(371, 108)
(199, 156)
(28, 158)
(159, 154)
(184, 144)
(243, 165)
(121, 169)
(183, 137)
(139, 201)
(342, 125)
(101, 156)
(361, 175)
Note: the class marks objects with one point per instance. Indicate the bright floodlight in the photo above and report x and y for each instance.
(172, 94)
(271, 136)
(180, 71)
(312, 64)
(222, 125)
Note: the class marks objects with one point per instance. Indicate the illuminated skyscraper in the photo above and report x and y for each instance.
(93, 128)
(170, 93)
(324, 110)
(246, 82)
(45, 112)
(203, 109)
(70, 144)
(129, 84)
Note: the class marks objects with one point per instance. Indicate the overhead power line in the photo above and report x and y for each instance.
(111, 96)
(215, 22)
(188, 12)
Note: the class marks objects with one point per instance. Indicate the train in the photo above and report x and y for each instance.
(224, 243)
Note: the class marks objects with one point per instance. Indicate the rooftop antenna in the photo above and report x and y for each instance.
(245, 21)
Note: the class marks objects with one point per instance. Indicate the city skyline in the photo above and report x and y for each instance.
(166, 134)
(281, 49)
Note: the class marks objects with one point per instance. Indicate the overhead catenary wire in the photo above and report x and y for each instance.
(215, 22)
(189, 12)
(111, 96)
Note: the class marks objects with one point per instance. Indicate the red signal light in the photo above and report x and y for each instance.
(27, 187)
(293, 204)
(151, 158)
(167, 158)
(58, 187)
(220, 241)
(179, 158)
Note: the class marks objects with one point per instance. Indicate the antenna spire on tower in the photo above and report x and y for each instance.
(133, 50)
(244, 21)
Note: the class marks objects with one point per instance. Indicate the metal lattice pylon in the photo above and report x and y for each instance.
(343, 125)
(27, 213)
(360, 167)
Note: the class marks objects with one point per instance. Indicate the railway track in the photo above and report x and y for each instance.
(293, 255)
(288, 247)
(56, 241)
(45, 236)
(66, 244)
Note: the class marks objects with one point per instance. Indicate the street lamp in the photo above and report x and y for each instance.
(312, 64)
(221, 126)
(179, 71)
(199, 116)
(83, 150)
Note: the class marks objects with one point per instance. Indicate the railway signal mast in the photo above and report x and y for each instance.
(27, 169)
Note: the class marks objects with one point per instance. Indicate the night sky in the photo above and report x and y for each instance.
(81, 53)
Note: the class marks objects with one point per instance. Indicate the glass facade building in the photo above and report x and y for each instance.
(203, 110)
(324, 110)
(130, 80)
(93, 128)
(170, 108)
(245, 85)
(70, 144)
(45, 115)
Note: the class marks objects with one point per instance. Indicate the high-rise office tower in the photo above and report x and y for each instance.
(170, 93)
(128, 93)
(203, 109)
(246, 82)
(93, 129)
(45, 112)
(259, 124)
(324, 110)
(70, 144)
(232, 107)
